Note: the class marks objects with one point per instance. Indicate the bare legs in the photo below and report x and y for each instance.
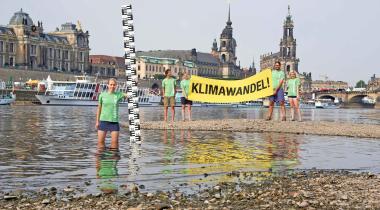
(188, 112)
(270, 110)
(183, 112)
(173, 114)
(292, 107)
(295, 109)
(114, 139)
(166, 113)
(101, 139)
(282, 110)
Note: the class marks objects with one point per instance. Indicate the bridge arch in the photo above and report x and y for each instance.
(358, 98)
(326, 97)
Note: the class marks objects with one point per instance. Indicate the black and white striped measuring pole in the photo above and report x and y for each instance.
(131, 73)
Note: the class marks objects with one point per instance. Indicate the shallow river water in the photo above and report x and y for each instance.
(42, 146)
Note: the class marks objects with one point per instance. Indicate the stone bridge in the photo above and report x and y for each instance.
(350, 99)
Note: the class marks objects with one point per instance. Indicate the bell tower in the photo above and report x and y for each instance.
(227, 50)
(288, 45)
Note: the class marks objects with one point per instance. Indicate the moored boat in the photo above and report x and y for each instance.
(84, 92)
(6, 99)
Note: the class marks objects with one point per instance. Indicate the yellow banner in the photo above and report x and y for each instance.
(231, 91)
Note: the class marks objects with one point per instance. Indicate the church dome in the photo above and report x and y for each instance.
(21, 18)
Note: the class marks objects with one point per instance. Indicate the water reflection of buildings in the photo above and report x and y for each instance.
(21, 145)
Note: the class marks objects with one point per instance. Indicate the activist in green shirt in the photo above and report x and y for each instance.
(185, 83)
(294, 84)
(107, 116)
(278, 78)
(169, 91)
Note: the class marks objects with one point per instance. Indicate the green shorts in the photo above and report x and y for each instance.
(169, 101)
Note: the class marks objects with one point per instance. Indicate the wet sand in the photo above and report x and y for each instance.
(301, 190)
(257, 125)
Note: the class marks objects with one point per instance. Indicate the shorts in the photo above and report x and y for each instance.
(109, 126)
(279, 97)
(169, 100)
(292, 96)
(184, 101)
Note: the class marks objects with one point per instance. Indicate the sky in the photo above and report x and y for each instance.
(337, 38)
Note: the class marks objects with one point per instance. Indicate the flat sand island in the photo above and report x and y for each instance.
(260, 126)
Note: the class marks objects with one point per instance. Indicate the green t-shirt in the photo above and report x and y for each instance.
(169, 85)
(185, 86)
(292, 86)
(110, 106)
(277, 76)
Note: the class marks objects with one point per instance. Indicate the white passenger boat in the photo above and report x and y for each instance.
(326, 104)
(6, 99)
(85, 92)
(368, 100)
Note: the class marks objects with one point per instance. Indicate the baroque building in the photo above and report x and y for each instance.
(288, 49)
(220, 63)
(25, 45)
(287, 55)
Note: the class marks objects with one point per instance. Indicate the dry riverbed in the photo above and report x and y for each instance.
(257, 125)
(300, 190)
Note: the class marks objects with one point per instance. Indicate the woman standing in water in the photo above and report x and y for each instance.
(294, 84)
(185, 83)
(107, 116)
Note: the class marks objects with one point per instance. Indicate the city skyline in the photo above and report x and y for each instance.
(331, 36)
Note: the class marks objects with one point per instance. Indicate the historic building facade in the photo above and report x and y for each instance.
(221, 62)
(108, 66)
(288, 49)
(325, 85)
(287, 55)
(24, 45)
(374, 83)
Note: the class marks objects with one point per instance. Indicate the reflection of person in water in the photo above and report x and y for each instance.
(106, 168)
(165, 137)
(283, 151)
(183, 135)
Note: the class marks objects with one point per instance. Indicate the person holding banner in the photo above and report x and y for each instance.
(278, 78)
(107, 115)
(169, 91)
(294, 84)
(185, 83)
